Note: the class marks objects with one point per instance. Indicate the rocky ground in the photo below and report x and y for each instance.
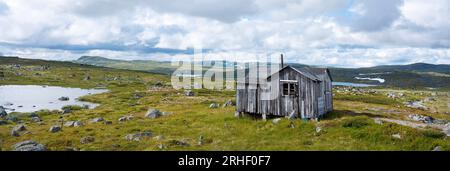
(142, 112)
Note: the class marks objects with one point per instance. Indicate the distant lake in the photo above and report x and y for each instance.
(30, 98)
(349, 84)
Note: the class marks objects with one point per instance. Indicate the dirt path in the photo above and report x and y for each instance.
(413, 124)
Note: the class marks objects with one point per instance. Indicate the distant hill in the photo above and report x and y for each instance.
(416, 75)
(140, 65)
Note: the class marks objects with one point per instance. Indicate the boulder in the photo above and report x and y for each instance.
(213, 105)
(189, 93)
(228, 103)
(3, 112)
(126, 118)
(138, 136)
(421, 118)
(29, 146)
(398, 136)
(15, 133)
(87, 140)
(437, 148)
(96, 120)
(64, 98)
(54, 129)
(276, 121)
(153, 113)
(19, 128)
(35, 119)
(73, 124)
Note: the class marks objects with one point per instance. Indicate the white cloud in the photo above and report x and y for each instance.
(338, 33)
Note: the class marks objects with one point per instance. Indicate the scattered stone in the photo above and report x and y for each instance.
(19, 128)
(29, 146)
(35, 119)
(73, 124)
(179, 143)
(15, 133)
(275, 121)
(398, 136)
(421, 118)
(416, 105)
(3, 112)
(189, 93)
(64, 98)
(96, 120)
(228, 103)
(437, 148)
(201, 140)
(138, 136)
(153, 113)
(158, 138)
(161, 146)
(446, 129)
(87, 140)
(87, 78)
(237, 114)
(378, 121)
(213, 105)
(318, 129)
(54, 129)
(126, 118)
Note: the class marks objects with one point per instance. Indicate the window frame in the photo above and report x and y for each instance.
(292, 88)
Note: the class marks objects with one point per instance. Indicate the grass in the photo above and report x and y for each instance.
(349, 127)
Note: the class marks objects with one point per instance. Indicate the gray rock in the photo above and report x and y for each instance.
(213, 105)
(237, 114)
(73, 124)
(3, 112)
(276, 121)
(318, 129)
(138, 136)
(228, 103)
(201, 140)
(19, 128)
(446, 129)
(153, 113)
(189, 93)
(87, 140)
(378, 121)
(421, 118)
(398, 136)
(35, 119)
(15, 133)
(64, 98)
(96, 120)
(29, 146)
(126, 118)
(161, 146)
(179, 143)
(437, 148)
(54, 129)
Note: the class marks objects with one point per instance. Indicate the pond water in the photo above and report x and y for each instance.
(30, 98)
(349, 84)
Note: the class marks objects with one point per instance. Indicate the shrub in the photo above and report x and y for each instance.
(433, 134)
(355, 122)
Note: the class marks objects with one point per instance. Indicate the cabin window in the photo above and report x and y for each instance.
(290, 89)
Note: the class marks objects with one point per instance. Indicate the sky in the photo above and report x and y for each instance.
(339, 33)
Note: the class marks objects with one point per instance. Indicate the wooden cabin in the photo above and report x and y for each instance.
(303, 93)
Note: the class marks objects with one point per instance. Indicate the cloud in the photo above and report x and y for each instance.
(375, 15)
(338, 33)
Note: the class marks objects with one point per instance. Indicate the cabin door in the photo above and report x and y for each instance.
(289, 98)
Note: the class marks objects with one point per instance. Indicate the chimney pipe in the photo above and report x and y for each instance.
(282, 62)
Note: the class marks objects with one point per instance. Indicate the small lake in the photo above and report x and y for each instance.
(349, 84)
(30, 98)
